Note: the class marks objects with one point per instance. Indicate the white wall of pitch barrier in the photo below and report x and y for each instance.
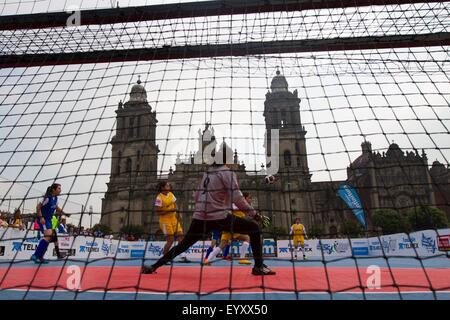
(20, 245)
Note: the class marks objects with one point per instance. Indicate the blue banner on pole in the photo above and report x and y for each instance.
(351, 198)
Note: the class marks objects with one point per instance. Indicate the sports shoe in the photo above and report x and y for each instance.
(244, 261)
(38, 260)
(262, 271)
(206, 262)
(184, 260)
(35, 259)
(305, 258)
(148, 270)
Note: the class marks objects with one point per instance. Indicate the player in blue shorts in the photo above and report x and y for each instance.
(215, 240)
(45, 211)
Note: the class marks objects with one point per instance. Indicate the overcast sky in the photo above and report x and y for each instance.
(56, 121)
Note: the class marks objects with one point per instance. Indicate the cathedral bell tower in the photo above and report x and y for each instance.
(287, 198)
(134, 151)
(282, 112)
(134, 163)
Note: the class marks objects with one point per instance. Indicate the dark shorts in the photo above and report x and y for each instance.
(47, 226)
(215, 235)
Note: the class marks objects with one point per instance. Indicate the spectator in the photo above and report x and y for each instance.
(4, 220)
(98, 234)
(62, 228)
(17, 221)
(73, 231)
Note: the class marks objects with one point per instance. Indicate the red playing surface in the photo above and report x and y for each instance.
(212, 279)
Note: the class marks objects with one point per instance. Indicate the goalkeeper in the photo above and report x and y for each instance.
(227, 237)
(215, 195)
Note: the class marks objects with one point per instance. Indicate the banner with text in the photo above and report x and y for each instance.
(20, 245)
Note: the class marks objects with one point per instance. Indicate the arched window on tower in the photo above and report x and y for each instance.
(131, 127)
(138, 160)
(284, 120)
(138, 129)
(119, 160)
(287, 158)
(129, 163)
(297, 153)
(120, 132)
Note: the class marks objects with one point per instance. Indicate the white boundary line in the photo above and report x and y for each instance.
(225, 293)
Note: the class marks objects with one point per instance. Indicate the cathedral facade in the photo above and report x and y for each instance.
(393, 179)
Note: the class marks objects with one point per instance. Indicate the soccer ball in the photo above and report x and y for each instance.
(269, 179)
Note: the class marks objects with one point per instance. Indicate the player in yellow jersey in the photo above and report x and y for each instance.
(298, 232)
(227, 237)
(169, 220)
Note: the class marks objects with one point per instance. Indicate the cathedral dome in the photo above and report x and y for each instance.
(279, 83)
(361, 161)
(437, 168)
(394, 150)
(394, 146)
(437, 163)
(138, 93)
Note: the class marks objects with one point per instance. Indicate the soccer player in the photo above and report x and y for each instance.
(215, 237)
(227, 237)
(217, 191)
(45, 210)
(299, 234)
(226, 252)
(55, 225)
(169, 220)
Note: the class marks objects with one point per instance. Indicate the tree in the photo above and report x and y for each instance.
(135, 230)
(103, 228)
(351, 228)
(316, 231)
(275, 232)
(390, 221)
(427, 217)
